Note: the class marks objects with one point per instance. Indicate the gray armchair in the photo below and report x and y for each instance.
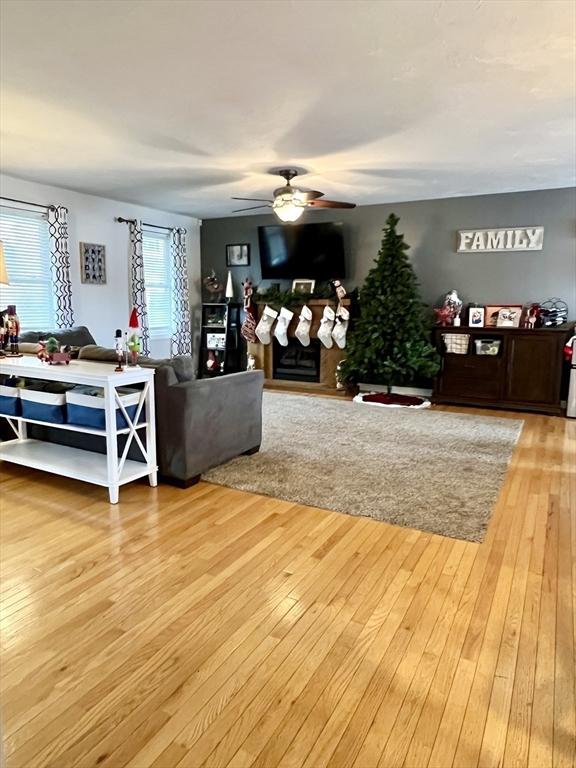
(205, 422)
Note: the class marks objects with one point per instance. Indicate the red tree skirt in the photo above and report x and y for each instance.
(392, 400)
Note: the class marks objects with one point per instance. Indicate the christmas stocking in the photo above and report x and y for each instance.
(341, 326)
(303, 329)
(326, 326)
(281, 330)
(265, 325)
(248, 329)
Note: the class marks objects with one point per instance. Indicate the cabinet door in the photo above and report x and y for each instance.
(534, 369)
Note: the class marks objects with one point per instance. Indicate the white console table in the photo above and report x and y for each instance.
(109, 470)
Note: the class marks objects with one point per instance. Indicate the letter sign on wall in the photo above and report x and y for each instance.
(516, 239)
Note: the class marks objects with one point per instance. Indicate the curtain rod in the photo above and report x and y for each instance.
(26, 202)
(144, 224)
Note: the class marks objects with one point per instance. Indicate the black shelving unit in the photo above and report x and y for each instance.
(222, 348)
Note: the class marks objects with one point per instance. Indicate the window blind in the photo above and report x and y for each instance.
(157, 280)
(27, 253)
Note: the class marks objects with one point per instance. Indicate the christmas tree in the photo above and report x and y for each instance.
(389, 342)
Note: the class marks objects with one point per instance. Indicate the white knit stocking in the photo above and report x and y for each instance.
(341, 326)
(265, 325)
(326, 326)
(281, 330)
(303, 329)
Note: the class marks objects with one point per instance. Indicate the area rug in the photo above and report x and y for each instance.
(431, 470)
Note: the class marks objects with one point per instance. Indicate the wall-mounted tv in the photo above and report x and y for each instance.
(314, 251)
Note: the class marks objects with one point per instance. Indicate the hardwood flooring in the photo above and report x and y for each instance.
(211, 627)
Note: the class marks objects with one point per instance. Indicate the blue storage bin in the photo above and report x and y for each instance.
(43, 406)
(10, 400)
(85, 407)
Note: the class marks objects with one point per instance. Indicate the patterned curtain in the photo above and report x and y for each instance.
(60, 265)
(137, 287)
(181, 339)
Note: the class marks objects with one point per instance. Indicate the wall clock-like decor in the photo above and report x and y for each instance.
(93, 263)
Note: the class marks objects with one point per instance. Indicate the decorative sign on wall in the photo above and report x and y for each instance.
(514, 239)
(93, 263)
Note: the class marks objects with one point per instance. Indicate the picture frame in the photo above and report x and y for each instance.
(93, 263)
(238, 255)
(476, 317)
(492, 312)
(303, 286)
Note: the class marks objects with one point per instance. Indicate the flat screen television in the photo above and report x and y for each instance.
(312, 251)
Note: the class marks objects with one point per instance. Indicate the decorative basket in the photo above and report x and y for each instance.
(487, 346)
(456, 343)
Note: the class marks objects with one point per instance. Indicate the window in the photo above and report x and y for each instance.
(157, 279)
(27, 253)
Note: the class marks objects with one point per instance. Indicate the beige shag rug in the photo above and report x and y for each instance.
(431, 470)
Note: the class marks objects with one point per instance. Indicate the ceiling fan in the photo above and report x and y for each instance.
(290, 202)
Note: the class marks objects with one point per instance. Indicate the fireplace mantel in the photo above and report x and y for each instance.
(329, 358)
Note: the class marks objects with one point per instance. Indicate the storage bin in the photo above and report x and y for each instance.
(85, 407)
(10, 400)
(456, 343)
(487, 346)
(43, 406)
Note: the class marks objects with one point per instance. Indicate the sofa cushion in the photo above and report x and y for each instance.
(94, 352)
(78, 336)
(183, 366)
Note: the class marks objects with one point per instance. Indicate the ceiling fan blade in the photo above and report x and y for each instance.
(329, 204)
(254, 199)
(311, 194)
(253, 208)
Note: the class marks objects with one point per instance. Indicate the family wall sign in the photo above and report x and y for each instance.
(514, 239)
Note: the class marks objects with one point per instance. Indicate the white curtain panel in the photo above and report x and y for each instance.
(60, 265)
(137, 286)
(181, 339)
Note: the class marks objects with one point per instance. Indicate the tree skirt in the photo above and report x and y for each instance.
(431, 470)
(391, 400)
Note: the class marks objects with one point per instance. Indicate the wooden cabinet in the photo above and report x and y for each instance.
(528, 373)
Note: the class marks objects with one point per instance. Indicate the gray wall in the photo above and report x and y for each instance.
(430, 227)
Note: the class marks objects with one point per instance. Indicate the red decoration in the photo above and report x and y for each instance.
(570, 344)
(444, 316)
(133, 322)
(387, 398)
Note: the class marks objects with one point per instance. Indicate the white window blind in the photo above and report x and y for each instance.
(157, 279)
(27, 253)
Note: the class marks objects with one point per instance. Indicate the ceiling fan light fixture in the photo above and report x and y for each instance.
(289, 207)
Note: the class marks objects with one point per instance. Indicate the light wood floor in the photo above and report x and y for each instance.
(219, 628)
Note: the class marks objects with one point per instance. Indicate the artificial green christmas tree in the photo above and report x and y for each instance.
(389, 341)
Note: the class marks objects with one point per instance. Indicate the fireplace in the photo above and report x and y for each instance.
(295, 362)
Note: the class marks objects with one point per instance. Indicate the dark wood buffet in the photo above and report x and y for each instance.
(527, 372)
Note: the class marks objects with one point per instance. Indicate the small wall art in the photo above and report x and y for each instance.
(238, 255)
(93, 263)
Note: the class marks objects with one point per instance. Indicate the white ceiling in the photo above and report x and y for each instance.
(180, 104)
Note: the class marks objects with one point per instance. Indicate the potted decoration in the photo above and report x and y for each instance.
(133, 337)
(57, 354)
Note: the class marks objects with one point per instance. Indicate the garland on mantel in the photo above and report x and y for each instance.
(277, 299)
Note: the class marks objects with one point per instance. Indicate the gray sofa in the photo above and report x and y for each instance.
(200, 423)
